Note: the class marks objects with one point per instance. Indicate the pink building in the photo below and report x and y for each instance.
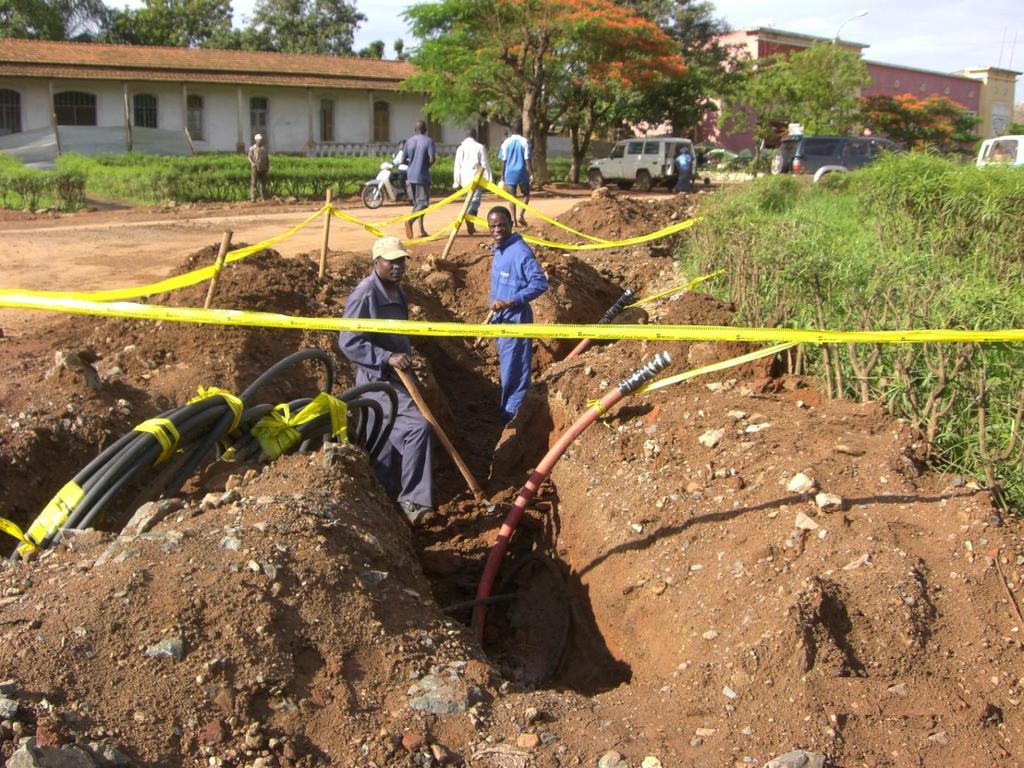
(981, 91)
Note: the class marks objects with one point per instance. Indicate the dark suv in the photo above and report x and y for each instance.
(823, 154)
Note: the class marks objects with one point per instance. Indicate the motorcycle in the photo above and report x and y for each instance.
(387, 187)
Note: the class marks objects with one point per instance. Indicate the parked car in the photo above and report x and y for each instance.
(640, 162)
(820, 155)
(1001, 150)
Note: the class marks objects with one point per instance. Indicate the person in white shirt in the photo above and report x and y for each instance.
(470, 157)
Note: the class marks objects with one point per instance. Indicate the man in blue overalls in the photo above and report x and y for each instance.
(376, 356)
(516, 280)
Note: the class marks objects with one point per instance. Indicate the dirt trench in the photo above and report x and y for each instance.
(668, 594)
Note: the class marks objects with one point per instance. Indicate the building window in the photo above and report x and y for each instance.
(10, 112)
(145, 110)
(381, 121)
(258, 116)
(435, 131)
(194, 106)
(896, 83)
(75, 108)
(326, 120)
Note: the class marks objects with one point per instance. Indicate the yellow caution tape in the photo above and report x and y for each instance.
(429, 209)
(277, 433)
(172, 283)
(676, 289)
(720, 366)
(610, 332)
(165, 433)
(372, 229)
(500, 192)
(233, 402)
(664, 232)
(52, 517)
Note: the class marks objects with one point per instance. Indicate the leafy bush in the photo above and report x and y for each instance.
(30, 185)
(912, 241)
(69, 189)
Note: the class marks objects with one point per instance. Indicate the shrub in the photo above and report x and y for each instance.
(911, 241)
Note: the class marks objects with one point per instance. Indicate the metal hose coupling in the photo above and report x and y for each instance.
(617, 307)
(644, 374)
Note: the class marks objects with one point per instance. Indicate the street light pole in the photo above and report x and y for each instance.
(857, 15)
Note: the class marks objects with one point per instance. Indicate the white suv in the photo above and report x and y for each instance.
(643, 162)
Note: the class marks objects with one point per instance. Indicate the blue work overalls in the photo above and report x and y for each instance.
(515, 275)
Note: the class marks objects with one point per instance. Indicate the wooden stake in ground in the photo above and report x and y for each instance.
(462, 216)
(218, 265)
(327, 234)
(410, 384)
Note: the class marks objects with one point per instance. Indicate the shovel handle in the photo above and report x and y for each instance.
(414, 392)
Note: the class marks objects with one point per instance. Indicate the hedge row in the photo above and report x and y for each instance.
(22, 187)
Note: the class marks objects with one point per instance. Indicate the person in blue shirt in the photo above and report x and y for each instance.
(516, 280)
(518, 165)
(684, 170)
(420, 154)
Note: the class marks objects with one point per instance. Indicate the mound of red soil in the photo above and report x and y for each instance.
(285, 620)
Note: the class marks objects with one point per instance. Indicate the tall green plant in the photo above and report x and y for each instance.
(909, 242)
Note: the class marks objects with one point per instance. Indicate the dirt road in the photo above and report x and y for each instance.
(106, 249)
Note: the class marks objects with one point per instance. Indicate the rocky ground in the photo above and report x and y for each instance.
(715, 574)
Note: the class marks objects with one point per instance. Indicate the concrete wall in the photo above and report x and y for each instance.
(890, 80)
(291, 112)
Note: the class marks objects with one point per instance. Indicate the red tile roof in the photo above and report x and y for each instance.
(43, 58)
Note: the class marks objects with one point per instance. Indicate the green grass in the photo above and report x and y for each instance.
(141, 179)
(912, 241)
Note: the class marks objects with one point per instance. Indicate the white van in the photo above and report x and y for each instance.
(1002, 150)
(642, 162)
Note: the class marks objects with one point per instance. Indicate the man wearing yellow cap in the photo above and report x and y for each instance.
(376, 356)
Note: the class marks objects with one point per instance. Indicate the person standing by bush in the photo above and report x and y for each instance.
(259, 166)
(420, 154)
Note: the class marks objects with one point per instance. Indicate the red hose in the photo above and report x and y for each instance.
(579, 349)
(494, 557)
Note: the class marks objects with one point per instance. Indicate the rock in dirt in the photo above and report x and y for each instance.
(801, 483)
(829, 501)
(528, 741)
(804, 522)
(612, 759)
(439, 696)
(51, 757)
(169, 646)
(651, 762)
(413, 740)
(711, 438)
(8, 708)
(798, 758)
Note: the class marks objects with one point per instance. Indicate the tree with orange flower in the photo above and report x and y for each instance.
(933, 121)
(555, 62)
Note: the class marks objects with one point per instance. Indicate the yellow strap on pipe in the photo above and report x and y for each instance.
(53, 516)
(277, 433)
(165, 433)
(233, 402)
(11, 529)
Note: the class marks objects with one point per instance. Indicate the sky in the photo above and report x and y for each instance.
(943, 35)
